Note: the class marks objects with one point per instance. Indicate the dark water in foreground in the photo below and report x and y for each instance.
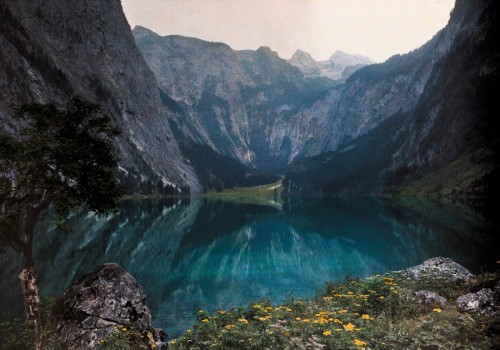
(199, 253)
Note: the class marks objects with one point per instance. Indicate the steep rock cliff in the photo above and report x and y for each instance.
(52, 50)
(445, 142)
(232, 101)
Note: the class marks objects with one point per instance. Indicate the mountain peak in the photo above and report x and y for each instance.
(267, 51)
(141, 32)
(302, 56)
(349, 59)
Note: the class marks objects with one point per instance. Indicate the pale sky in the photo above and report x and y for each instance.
(375, 28)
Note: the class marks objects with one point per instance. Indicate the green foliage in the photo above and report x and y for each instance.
(61, 156)
(19, 334)
(375, 313)
(123, 338)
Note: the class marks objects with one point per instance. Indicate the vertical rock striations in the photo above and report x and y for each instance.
(51, 50)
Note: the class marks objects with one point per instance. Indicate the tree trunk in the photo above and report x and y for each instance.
(27, 276)
(31, 296)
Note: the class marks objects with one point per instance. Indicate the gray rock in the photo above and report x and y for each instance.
(106, 298)
(427, 297)
(482, 301)
(50, 51)
(439, 268)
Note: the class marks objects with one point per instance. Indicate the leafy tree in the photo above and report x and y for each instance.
(62, 157)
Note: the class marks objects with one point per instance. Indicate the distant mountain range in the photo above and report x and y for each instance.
(198, 115)
(339, 66)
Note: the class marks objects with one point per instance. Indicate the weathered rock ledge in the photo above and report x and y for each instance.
(99, 303)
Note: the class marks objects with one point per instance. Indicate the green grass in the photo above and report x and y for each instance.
(270, 190)
(459, 177)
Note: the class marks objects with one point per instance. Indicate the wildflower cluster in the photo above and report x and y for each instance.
(353, 315)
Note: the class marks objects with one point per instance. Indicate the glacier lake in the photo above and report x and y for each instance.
(198, 253)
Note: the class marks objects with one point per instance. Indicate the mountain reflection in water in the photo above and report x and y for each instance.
(206, 253)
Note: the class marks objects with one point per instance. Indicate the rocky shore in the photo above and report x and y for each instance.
(99, 306)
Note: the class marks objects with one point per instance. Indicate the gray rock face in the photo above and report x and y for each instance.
(259, 109)
(339, 66)
(409, 116)
(239, 103)
(482, 301)
(109, 297)
(429, 298)
(50, 51)
(438, 268)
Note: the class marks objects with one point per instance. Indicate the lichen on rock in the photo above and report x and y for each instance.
(106, 298)
(439, 267)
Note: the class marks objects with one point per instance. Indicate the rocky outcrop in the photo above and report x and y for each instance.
(439, 268)
(50, 51)
(482, 301)
(99, 303)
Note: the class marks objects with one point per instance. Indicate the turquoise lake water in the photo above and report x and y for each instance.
(205, 253)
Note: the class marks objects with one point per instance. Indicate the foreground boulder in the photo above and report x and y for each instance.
(100, 302)
(482, 301)
(439, 268)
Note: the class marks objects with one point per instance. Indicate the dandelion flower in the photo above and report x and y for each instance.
(327, 333)
(124, 329)
(365, 317)
(359, 342)
(243, 320)
(348, 327)
(297, 318)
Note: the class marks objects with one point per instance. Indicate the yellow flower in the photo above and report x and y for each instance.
(257, 306)
(437, 310)
(297, 318)
(342, 311)
(365, 317)
(306, 320)
(327, 333)
(149, 335)
(348, 327)
(381, 297)
(221, 312)
(288, 309)
(173, 341)
(124, 329)
(359, 342)
(153, 346)
(350, 293)
(229, 326)
(242, 320)
(188, 331)
(262, 319)
(205, 320)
